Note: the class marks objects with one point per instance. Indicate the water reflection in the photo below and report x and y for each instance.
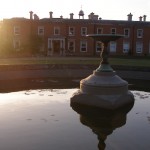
(102, 122)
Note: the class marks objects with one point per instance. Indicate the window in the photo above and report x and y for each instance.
(71, 45)
(56, 31)
(126, 33)
(71, 31)
(149, 47)
(99, 46)
(16, 30)
(41, 48)
(83, 31)
(49, 44)
(83, 46)
(16, 44)
(40, 30)
(113, 31)
(139, 33)
(139, 47)
(126, 47)
(112, 46)
(99, 30)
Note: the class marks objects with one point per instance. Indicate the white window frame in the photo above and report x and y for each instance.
(149, 47)
(83, 31)
(83, 45)
(16, 44)
(126, 47)
(113, 47)
(139, 33)
(56, 30)
(71, 45)
(99, 30)
(98, 46)
(40, 30)
(16, 30)
(71, 31)
(113, 32)
(139, 47)
(126, 30)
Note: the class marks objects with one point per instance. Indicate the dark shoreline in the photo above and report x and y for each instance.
(25, 77)
(68, 66)
(57, 83)
(8, 72)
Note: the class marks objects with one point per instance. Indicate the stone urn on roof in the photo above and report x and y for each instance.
(81, 14)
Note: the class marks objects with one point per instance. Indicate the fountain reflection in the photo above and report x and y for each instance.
(102, 122)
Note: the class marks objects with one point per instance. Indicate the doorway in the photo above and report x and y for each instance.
(56, 47)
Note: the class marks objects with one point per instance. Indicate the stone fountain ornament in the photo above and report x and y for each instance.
(104, 88)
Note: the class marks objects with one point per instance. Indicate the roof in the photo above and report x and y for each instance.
(85, 21)
(102, 22)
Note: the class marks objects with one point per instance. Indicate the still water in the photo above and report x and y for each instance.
(43, 119)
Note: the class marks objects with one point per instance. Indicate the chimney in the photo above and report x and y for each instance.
(91, 15)
(144, 18)
(140, 18)
(36, 17)
(71, 16)
(61, 17)
(130, 17)
(31, 15)
(51, 14)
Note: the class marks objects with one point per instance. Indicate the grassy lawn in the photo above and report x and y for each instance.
(75, 60)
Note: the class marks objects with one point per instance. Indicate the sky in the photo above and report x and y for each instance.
(106, 9)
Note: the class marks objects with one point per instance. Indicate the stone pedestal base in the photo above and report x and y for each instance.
(103, 89)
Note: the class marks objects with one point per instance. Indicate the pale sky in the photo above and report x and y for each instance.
(106, 9)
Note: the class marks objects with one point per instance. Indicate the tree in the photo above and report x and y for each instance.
(35, 43)
(6, 47)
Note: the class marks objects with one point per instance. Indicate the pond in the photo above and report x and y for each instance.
(42, 119)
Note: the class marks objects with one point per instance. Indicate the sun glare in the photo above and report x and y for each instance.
(6, 9)
(15, 8)
(21, 8)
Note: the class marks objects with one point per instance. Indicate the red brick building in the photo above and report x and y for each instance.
(67, 36)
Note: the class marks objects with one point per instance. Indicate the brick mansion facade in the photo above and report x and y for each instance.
(67, 36)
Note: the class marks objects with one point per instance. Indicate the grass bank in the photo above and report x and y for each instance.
(75, 60)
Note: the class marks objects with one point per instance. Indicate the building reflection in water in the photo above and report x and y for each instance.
(102, 122)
